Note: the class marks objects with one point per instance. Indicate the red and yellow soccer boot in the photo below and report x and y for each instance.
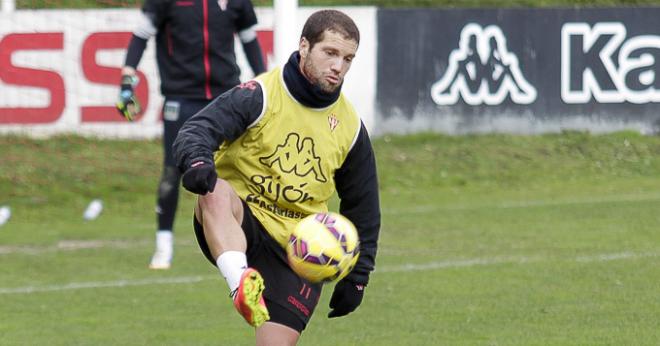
(249, 300)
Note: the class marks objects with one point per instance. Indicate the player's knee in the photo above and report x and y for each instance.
(223, 191)
(220, 200)
(169, 180)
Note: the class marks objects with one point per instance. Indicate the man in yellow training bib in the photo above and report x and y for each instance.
(269, 152)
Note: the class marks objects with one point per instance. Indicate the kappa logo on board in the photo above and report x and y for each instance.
(482, 71)
(599, 62)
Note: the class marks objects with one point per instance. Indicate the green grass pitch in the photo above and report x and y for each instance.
(486, 240)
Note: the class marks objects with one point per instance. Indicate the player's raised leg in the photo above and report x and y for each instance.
(221, 213)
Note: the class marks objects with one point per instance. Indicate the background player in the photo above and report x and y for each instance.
(196, 62)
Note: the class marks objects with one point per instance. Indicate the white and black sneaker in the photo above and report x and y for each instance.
(162, 258)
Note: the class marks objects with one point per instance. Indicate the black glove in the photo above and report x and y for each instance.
(346, 297)
(128, 105)
(200, 178)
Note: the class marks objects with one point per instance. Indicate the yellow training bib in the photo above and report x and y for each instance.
(283, 166)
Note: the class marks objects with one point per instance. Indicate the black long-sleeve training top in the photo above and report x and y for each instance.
(228, 117)
(195, 44)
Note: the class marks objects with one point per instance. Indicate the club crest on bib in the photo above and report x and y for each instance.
(333, 121)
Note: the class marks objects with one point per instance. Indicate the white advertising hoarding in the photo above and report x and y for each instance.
(59, 70)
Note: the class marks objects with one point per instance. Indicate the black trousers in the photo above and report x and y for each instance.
(175, 113)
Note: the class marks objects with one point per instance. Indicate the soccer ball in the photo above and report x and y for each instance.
(323, 247)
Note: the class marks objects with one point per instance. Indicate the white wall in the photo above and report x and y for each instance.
(77, 25)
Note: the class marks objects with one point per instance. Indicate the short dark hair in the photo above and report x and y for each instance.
(331, 20)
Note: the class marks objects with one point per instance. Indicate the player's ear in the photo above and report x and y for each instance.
(303, 47)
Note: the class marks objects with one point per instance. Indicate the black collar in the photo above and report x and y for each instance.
(302, 90)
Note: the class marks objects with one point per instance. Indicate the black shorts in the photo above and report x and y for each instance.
(289, 298)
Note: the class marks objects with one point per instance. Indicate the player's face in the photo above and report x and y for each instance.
(326, 64)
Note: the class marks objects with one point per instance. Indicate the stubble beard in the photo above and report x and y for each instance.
(317, 80)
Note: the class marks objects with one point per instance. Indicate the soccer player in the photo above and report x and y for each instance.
(270, 152)
(196, 62)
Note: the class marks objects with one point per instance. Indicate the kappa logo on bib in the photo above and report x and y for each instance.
(296, 156)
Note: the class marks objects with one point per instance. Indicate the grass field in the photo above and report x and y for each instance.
(486, 240)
